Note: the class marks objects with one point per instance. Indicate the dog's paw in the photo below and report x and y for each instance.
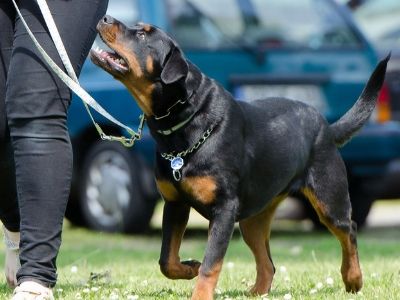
(260, 288)
(194, 266)
(352, 279)
(183, 270)
(354, 285)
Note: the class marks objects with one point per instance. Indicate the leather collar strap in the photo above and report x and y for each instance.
(182, 114)
(177, 126)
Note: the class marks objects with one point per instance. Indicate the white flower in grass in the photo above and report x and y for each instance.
(230, 265)
(218, 291)
(374, 275)
(145, 282)
(313, 291)
(95, 289)
(329, 281)
(132, 297)
(296, 250)
(86, 291)
(78, 296)
(59, 290)
(264, 297)
(319, 285)
(287, 278)
(114, 296)
(283, 269)
(287, 297)
(74, 269)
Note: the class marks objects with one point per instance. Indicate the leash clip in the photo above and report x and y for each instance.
(126, 142)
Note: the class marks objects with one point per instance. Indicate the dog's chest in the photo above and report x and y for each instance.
(201, 189)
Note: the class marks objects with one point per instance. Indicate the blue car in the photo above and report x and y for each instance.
(309, 50)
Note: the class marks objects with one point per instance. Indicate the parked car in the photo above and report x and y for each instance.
(306, 50)
(380, 21)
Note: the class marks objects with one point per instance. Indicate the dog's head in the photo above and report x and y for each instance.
(145, 59)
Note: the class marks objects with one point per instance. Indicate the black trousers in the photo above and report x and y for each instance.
(35, 149)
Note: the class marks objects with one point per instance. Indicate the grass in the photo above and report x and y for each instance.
(125, 267)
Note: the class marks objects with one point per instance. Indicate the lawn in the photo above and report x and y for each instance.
(110, 266)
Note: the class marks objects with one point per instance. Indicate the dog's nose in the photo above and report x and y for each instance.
(108, 19)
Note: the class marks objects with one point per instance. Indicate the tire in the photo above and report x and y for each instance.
(111, 194)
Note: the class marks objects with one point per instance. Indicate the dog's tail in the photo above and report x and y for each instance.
(344, 128)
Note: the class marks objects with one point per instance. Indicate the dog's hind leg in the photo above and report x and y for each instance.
(256, 233)
(327, 190)
(175, 218)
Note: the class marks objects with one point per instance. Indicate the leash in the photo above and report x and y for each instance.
(72, 81)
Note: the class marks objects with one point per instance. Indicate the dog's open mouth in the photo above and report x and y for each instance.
(110, 61)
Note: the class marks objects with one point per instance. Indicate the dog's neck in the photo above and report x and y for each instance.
(179, 127)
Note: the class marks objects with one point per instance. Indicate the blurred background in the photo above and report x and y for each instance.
(320, 52)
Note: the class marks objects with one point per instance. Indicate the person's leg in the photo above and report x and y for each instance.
(36, 105)
(9, 213)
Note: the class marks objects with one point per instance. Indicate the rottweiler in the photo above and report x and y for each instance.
(233, 161)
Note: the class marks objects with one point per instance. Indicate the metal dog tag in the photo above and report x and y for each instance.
(176, 164)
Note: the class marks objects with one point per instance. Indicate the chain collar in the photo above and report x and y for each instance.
(176, 159)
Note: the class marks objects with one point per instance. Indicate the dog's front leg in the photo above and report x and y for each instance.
(220, 232)
(175, 218)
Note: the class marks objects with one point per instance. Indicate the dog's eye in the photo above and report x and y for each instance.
(141, 35)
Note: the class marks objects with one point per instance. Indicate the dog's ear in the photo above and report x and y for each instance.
(175, 67)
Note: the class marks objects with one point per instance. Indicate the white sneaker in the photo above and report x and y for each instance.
(30, 290)
(11, 264)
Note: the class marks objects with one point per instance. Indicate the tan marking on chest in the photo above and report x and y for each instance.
(203, 189)
(167, 190)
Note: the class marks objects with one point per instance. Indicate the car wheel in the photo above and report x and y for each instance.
(111, 192)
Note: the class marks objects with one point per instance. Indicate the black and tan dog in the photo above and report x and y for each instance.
(233, 161)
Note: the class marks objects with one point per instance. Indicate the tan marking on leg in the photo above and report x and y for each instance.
(256, 233)
(167, 190)
(351, 272)
(318, 205)
(350, 269)
(203, 189)
(206, 283)
(174, 269)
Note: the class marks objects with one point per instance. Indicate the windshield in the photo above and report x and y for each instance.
(261, 23)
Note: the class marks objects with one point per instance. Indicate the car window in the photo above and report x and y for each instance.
(261, 23)
(380, 20)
